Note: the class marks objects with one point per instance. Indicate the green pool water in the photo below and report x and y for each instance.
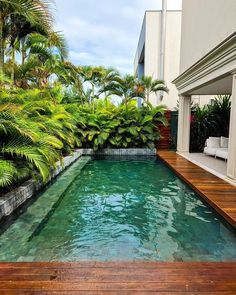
(118, 210)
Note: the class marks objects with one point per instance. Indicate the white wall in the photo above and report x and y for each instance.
(202, 100)
(150, 39)
(152, 44)
(172, 57)
(205, 24)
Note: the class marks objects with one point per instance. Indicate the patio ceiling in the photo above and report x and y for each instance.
(222, 85)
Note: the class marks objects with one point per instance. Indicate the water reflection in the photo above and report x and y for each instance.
(125, 210)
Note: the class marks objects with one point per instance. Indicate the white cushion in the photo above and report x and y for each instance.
(210, 151)
(224, 142)
(222, 153)
(213, 142)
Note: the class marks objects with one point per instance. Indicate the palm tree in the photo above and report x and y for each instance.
(46, 56)
(69, 75)
(20, 29)
(123, 87)
(53, 43)
(108, 76)
(92, 75)
(35, 12)
(147, 85)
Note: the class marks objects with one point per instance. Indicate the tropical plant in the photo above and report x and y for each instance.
(109, 76)
(24, 146)
(93, 76)
(35, 131)
(49, 106)
(123, 87)
(147, 85)
(203, 125)
(119, 127)
(209, 120)
(35, 12)
(221, 108)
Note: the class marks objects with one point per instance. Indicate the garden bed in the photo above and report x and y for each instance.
(12, 200)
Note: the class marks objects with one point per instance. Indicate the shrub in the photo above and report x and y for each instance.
(37, 129)
(119, 126)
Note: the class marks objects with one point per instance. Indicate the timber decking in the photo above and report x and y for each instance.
(139, 278)
(220, 194)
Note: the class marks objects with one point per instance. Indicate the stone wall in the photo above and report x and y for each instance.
(120, 152)
(12, 200)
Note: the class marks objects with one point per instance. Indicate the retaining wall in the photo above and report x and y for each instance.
(12, 200)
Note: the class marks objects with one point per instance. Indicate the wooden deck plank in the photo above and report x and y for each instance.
(118, 278)
(219, 194)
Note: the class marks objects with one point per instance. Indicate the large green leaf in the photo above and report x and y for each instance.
(7, 173)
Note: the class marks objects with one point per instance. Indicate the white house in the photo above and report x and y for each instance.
(207, 63)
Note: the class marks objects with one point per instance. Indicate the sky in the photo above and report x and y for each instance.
(104, 32)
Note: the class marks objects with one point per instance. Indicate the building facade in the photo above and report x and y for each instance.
(207, 64)
(158, 52)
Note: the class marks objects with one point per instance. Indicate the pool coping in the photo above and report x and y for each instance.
(218, 193)
(119, 152)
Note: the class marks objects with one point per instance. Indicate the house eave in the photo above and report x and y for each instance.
(221, 57)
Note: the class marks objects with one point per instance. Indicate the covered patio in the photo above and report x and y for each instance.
(214, 74)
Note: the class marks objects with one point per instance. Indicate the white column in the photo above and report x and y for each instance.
(184, 124)
(231, 166)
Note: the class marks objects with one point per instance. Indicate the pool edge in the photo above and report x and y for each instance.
(172, 160)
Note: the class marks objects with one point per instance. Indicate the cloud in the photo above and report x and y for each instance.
(103, 32)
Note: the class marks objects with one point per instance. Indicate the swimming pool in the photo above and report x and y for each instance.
(119, 209)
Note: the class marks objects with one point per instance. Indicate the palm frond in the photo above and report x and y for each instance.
(7, 173)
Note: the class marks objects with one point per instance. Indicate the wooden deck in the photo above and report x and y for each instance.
(218, 193)
(137, 278)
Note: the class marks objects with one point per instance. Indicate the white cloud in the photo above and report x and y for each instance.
(104, 32)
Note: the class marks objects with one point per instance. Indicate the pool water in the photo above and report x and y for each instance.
(118, 210)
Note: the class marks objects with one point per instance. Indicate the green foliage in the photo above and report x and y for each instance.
(119, 127)
(35, 131)
(7, 173)
(37, 128)
(147, 85)
(49, 107)
(210, 120)
(220, 109)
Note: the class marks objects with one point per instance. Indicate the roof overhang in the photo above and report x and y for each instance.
(214, 67)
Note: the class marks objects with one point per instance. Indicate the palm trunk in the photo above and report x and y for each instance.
(104, 85)
(2, 47)
(148, 96)
(106, 101)
(13, 57)
(126, 103)
(93, 103)
(23, 53)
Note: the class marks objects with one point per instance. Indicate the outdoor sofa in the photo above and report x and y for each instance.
(217, 147)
